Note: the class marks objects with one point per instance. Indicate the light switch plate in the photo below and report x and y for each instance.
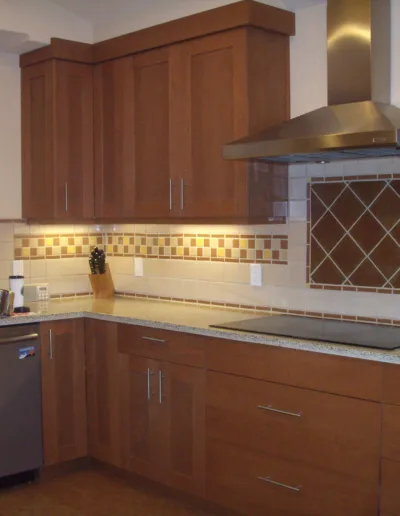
(255, 275)
(138, 266)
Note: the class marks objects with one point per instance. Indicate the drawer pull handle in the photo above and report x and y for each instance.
(153, 339)
(270, 481)
(271, 409)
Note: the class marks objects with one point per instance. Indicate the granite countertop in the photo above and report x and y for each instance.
(185, 318)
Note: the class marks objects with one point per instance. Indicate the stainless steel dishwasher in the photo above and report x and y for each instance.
(20, 400)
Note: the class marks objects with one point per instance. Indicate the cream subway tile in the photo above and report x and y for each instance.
(83, 230)
(6, 268)
(298, 189)
(82, 284)
(54, 268)
(56, 251)
(37, 268)
(275, 244)
(21, 228)
(7, 251)
(6, 232)
(297, 171)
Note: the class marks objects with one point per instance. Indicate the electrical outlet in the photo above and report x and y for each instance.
(255, 275)
(138, 266)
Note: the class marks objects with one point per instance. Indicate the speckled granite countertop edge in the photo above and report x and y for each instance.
(252, 338)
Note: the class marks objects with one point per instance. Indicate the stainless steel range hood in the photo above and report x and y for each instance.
(359, 121)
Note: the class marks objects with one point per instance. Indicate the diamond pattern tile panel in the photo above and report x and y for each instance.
(355, 233)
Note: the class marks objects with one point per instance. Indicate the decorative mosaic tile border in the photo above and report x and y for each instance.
(35, 247)
(362, 247)
(202, 247)
(267, 309)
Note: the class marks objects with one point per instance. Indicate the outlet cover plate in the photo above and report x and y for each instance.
(255, 275)
(138, 267)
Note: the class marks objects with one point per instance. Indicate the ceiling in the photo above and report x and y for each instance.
(97, 11)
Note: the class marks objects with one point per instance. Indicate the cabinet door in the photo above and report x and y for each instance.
(63, 391)
(37, 141)
(209, 110)
(73, 141)
(103, 391)
(113, 137)
(182, 401)
(143, 439)
(153, 196)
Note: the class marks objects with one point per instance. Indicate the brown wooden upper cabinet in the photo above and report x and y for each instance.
(132, 123)
(57, 141)
(161, 105)
(163, 116)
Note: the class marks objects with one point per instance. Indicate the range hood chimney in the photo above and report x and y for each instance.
(359, 121)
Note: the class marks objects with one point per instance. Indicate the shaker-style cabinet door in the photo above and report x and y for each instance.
(143, 439)
(63, 391)
(182, 398)
(57, 141)
(102, 380)
(209, 111)
(132, 104)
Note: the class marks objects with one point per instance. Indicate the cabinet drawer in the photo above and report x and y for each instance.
(327, 373)
(170, 346)
(391, 432)
(321, 430)
(390, 493)
(234, 478)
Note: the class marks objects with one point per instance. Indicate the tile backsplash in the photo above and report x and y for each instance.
(210, 264)
(354, 234)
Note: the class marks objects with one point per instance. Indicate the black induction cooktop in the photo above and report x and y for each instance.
(336, 332)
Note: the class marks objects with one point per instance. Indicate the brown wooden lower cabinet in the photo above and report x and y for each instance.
(162, 422)
(390, 494)
(340, 434)
(258, 484)
(170, 407)
(103, 391)
(63, 391)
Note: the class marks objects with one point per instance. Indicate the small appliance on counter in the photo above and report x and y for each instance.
(36, 292)
(17, 281)
(6, 302)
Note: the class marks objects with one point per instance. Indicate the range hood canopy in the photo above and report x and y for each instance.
(359, 121)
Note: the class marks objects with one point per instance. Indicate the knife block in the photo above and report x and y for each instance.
(102, 284)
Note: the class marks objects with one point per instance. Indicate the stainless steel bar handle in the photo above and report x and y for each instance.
(153, 339)
(170, 194)
(271, 409)
(182, 194)
(270, 481)
(160, 386)
(66, 196)
(149, 375)
(51, 344)
(22, 338)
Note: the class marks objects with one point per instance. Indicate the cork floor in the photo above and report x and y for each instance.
(89, 493)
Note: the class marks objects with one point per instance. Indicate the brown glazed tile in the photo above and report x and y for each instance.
(387, 257)
(332, 316)
(228, 253)
(317, 209)
(17, 252)
(396, 280)
(347, 208)
(267, 243)
(367, 232)
(396, 233)
(317, 255)
(199, 252)
(327, 273)
(328, 232)
(328, 192)
(252, 243)
(314, 314)
(275, 255)
(367, 275)
(395, 184)
(259, 255)
(367, 191)
(347, 255)
(387, 208)
(284, 244)
(26, 242)
(366, 319)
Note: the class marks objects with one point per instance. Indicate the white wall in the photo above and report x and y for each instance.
(140, 14)
(41, 20)
(10, 137)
